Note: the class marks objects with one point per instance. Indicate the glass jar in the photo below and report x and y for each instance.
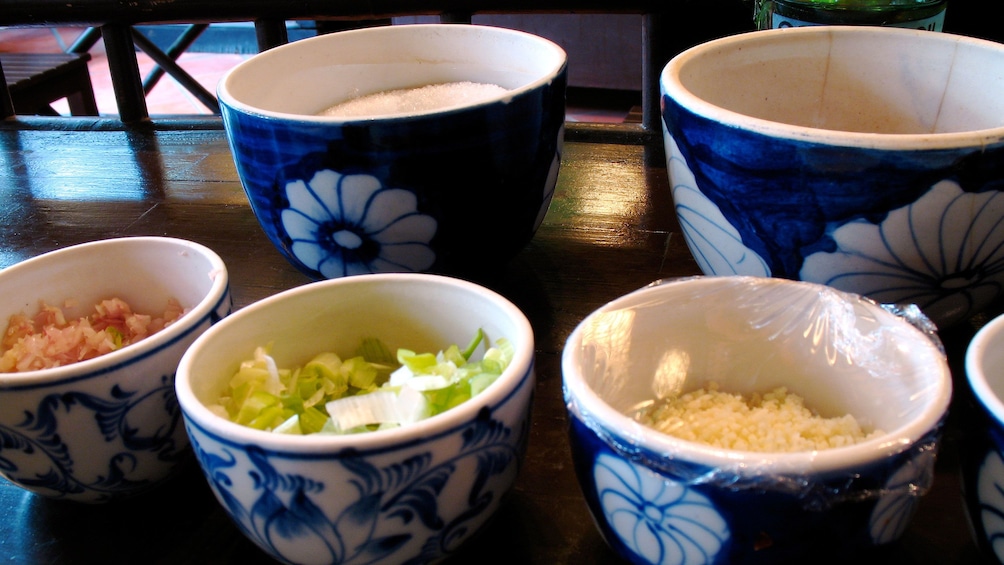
(915, 14)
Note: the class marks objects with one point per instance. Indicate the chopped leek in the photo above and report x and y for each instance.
(374, 390)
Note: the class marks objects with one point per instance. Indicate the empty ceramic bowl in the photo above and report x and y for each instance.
(458, 189)
(870, 159)
(109, 426)
(983, 455)
(412, 494)
(662, 496)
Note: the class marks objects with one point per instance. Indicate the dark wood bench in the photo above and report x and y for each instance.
(36, 80)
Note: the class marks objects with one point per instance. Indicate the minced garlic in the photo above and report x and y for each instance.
(777, 421)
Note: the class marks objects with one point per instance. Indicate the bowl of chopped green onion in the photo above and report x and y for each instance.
(377, 417)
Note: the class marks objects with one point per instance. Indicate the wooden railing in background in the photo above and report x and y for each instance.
(667, 28)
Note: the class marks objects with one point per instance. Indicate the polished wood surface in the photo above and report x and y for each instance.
(610, 230)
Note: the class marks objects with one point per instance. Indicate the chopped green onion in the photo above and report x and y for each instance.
(374, 390)
(116, 336)
(478, 336)
(374, 351)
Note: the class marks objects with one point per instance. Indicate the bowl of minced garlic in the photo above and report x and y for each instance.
(752, 420)
(775, 421)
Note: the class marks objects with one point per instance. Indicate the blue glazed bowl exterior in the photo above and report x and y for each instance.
(983, 441)
(413, 502)
(411, 494)
(662, 499)
(104, 435)
(983, 480)
(657, 511)
(762, 205)
(457, 192)
(110, 427)
(880, 176)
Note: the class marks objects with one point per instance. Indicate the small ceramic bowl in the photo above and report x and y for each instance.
(870, 159)
(108, 427)
(411, 494)
(659, 499)
(458, 190)
(983, 455)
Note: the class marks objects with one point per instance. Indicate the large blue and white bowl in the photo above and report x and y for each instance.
(658, 499)
(870, 159)
(109, 427)
(459, 190)
(411, 494)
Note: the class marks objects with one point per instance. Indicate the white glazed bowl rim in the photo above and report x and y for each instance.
(673, 87)
(597, 413)
(990, 334)
(503, 387)
(317, 42)
(115, 359)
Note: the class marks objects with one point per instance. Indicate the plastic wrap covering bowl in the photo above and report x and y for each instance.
(983, 451)
(108, 427)
(411, 494)
(457, 190)
(870, 159)
(659, 499)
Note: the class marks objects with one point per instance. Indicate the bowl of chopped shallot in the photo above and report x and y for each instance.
(378, 418)
(753, 420)
(94, 333)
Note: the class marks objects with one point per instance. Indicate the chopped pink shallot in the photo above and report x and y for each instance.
(50, 340)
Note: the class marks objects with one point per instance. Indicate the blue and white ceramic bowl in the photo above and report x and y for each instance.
(457, 191)
(108, 427)
(870, 159)
(406, 495)
(658, 499)
(983, 454)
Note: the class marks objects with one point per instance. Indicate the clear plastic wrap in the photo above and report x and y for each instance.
(842, 353)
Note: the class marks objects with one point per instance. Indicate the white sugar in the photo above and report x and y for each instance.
(415, 100)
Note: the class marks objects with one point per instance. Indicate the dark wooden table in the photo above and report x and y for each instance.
(610, 230)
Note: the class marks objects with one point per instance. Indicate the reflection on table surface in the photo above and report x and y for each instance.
(610, 230)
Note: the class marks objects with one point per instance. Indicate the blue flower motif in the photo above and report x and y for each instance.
(662, 521)
(894, 510)
(715, 244)
(344, 225)
(990, 492)
(950, 262)
(34, 453)
(401, 511)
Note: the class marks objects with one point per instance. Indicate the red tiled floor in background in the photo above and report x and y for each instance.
(168, 97)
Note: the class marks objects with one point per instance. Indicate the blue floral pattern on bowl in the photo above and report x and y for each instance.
(716, 245)
(945, 270)
(660, 520)
(990, 497)
(349, 224)
(659, 510)
(894, 510)
(983, 481)
(467, 189)
(916, 227)
(104, 435)
(34, 454)
(410, 503)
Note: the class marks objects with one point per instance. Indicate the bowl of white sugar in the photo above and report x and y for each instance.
(399, 148)
(752, 420)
